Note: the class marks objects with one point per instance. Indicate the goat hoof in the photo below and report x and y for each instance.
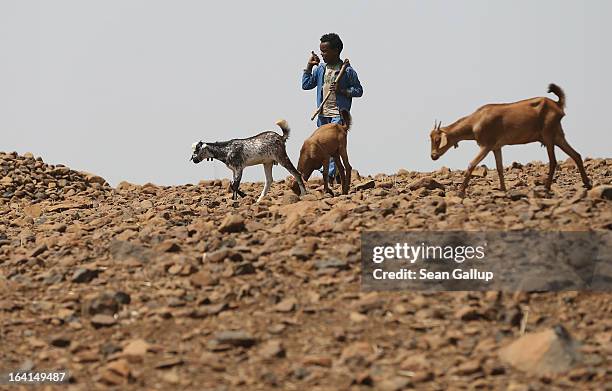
(588, 185)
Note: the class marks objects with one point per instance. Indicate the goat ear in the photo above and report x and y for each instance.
(443, 140)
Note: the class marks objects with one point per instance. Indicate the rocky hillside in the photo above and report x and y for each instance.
(151, 287)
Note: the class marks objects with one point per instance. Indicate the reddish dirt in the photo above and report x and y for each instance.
(157, 287)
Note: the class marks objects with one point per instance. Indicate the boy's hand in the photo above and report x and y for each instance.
(313, 60)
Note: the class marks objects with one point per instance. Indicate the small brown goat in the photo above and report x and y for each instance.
(496, 125)
(328, 141)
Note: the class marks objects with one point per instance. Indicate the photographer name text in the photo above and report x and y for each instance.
(410, 254)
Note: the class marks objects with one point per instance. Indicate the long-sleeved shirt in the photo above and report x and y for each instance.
(349, 82)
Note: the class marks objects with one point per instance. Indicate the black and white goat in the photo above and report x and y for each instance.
(266, 148)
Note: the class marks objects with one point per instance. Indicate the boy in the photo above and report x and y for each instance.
(324, 77)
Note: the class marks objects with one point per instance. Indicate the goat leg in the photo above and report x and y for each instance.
(347, 169)
(468, 173)
(286, 163)
(236, 185)
(500, 168)
(268, 173)
(571, 152)
(325, 178)
(552, 165)
(341, 172)
(231, 188)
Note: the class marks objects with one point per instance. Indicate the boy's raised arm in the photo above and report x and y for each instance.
(309, 81)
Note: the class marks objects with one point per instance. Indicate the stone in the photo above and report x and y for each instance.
(480, 172)
(370, 184)
(122, 298)
(318, 360)
(136, 348)
(82, 275)
(468, 368)
(603, 192)
(92, 178)
(468, 313)
(277, 328)
(60, 341)
(545, 352)
(171, 377)
(107, 303)
(169, 246)
(38, 250)
(272, 349)
(216, 256)
(203, 279)
(33, 211)
(416, 362)
(125, 251)
(396, 383)
(67, 206)
(232, 223)
(115, 373)
(358, 353)
(363, 378)
(244, 268)
(235, 338)
(357, 317)
(290, 199)
(516, 194)
(287, 305)
(332, 264)
(425, 183)
(102, 320)
(120, 367)
(169, 363)
(303, 251)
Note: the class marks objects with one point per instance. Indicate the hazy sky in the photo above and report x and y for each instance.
(123, 88)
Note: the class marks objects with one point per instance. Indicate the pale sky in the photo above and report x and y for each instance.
(123, 88)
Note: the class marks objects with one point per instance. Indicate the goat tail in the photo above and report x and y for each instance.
(284, 127)
(555, 89)
(347, 119)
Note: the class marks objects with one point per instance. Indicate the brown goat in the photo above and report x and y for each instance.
(496, 125)
(328, 141)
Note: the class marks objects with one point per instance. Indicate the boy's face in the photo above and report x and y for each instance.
(329, 54)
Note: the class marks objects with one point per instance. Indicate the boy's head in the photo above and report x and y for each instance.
(331, 46)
